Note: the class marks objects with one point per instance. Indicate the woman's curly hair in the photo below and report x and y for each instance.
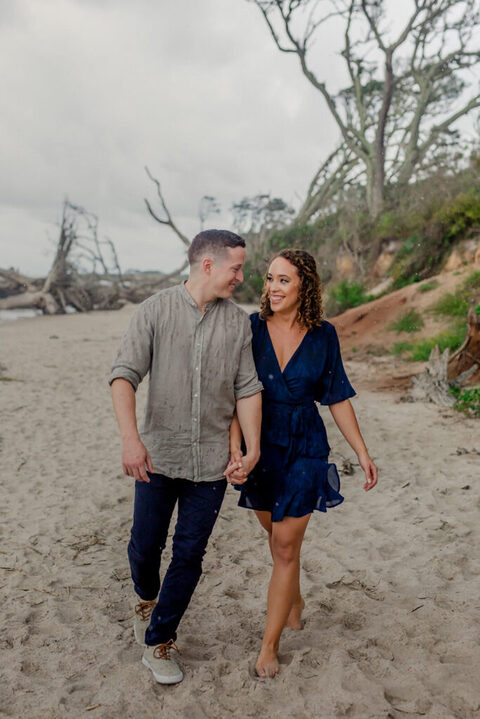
(310, 311)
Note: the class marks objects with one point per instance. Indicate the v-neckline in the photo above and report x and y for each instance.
(282, 371)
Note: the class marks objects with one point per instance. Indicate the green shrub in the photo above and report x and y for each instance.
(456, 304)
(473, 281)
(404, 280)
(347, 294)
(387, 224)
(428, 286)
(410, 321)
(300, 236)
(450, 338)
(452, 304)
(467, 400)
(461, 213)
(420, 350)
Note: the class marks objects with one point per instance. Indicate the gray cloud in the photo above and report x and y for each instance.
(93, 91)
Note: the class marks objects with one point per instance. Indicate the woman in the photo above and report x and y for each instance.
(298, 360)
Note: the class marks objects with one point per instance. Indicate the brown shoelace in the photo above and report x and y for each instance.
(163, 650)
(145, 609)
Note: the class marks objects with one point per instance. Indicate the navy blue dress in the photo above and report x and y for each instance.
(293, 476)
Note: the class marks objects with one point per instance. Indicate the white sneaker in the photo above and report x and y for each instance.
(143, 613)
(163, 667)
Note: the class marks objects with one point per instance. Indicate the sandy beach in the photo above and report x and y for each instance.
(391, 578)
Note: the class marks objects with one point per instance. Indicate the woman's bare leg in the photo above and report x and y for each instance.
(294, 619)
(283, 591)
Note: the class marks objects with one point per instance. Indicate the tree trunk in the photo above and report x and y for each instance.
(468, 354)
(432, 385)
(378, 188)
(26, 300)
(377, 194)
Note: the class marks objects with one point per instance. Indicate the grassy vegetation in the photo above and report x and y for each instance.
(420, 351)
(410, 321)
(461, 213)
(429, 231)
(473, 281)
(428, 286)
(346, 294)
(452, 305)
(400, 348)
(467, 400)
(456, 304)
(425, 220)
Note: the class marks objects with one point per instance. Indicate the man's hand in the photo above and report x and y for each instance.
(240, 467)
(136, 460)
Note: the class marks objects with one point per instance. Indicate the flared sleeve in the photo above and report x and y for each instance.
(333, 385)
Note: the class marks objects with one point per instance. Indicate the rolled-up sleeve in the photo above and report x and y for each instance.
(246, 381)
(134, 356)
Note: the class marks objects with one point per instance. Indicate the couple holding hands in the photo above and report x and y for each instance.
(231, 399)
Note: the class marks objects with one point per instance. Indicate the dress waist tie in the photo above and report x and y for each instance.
(298, 424)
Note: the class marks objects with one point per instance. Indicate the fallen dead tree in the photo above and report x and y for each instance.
(442, 371)
(468, 355)
(85, 273)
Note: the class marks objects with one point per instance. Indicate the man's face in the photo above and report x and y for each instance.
(227, 272)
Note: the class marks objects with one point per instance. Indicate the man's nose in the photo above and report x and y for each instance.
(240, 275)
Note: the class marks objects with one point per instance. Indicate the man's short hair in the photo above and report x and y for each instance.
(212, 243)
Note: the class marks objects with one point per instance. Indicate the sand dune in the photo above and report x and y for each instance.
(391, 578)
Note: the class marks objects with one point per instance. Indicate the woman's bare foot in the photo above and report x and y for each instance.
(294, 619)
(267, 663)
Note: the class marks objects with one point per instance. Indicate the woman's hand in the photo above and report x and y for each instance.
(370, 469)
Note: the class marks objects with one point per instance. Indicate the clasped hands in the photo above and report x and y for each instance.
(239, 467)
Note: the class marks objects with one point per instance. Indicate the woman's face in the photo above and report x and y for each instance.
(283, 286)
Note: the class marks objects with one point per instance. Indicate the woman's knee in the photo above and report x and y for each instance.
(284, 552)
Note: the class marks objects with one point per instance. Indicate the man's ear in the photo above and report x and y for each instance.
(207, 265)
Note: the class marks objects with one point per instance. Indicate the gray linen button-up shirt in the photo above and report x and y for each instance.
(199, 364)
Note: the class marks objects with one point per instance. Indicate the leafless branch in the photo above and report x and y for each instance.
(168, 221)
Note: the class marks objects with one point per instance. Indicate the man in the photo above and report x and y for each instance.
(196, 344)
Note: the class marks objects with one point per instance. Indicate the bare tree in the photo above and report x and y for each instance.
(405, 93)
(208, 206)
(165, 218)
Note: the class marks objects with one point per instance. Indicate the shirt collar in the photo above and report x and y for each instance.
(186, 294)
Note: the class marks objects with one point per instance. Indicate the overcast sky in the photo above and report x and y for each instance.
(94, 90)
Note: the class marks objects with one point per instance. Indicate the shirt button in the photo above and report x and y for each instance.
(196, 394)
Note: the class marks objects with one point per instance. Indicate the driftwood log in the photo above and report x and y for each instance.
(468, 355)
(432, 385)
(442, 371)
(82, 292)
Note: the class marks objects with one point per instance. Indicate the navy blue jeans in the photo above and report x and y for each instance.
(198, 507)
